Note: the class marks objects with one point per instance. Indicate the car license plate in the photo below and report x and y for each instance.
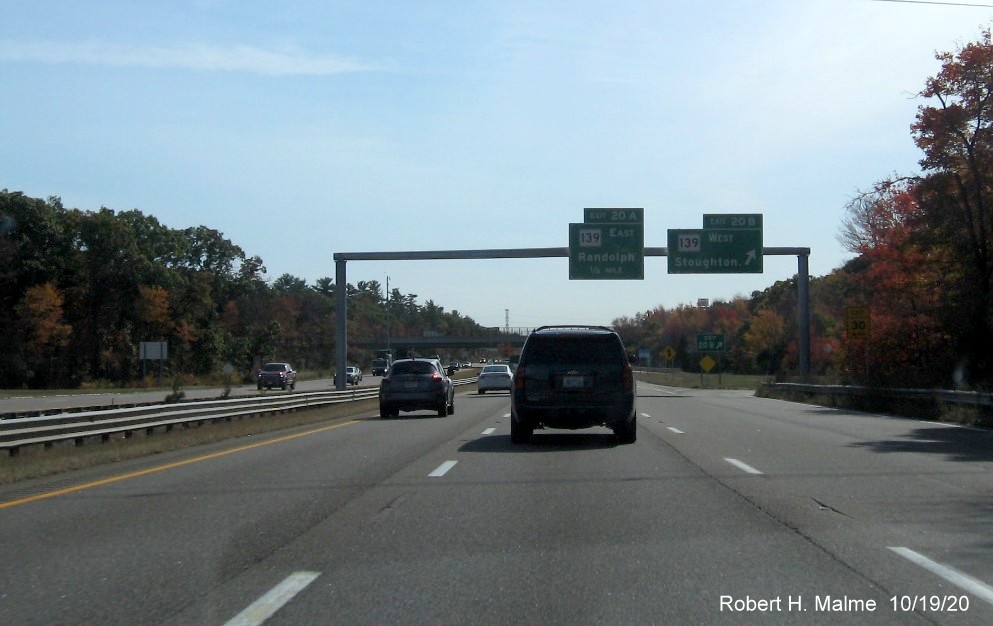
(412, 385)
(573, 382)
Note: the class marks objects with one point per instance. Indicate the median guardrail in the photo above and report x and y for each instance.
(78, 426)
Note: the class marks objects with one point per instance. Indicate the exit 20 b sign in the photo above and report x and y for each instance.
(710, 342)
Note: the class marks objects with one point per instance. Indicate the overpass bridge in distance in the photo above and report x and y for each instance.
(488, 337)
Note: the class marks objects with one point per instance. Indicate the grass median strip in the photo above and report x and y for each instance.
(168, 466)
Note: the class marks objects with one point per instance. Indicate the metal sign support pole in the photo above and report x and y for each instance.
(803, 296)
(341, 329)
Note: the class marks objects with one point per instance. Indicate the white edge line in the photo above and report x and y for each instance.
(442, 469)
(646, 416)
(489, 431)
(675, 430)
(277, 597)
(966, 582)
(743, 466)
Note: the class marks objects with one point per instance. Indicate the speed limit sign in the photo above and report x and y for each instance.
(857, 322)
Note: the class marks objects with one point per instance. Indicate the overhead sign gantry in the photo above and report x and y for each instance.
(610, 244)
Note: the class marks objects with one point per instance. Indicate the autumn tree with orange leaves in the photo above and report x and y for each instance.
(925, 244)
(42, 322)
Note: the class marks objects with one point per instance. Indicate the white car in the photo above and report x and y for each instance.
(495, 377)
(353, 376)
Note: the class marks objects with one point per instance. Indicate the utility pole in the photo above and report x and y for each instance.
(387, 311)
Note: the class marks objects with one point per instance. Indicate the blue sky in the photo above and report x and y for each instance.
(302, 129)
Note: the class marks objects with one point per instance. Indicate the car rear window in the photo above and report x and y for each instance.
(591, 349)
(495, 368)
(413, 367)
(274, 367)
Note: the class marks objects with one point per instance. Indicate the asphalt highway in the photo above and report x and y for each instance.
(728, 509)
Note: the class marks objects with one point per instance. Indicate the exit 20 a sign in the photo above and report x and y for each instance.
(609, 244)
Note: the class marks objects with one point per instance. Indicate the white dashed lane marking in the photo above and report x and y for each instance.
(964, 581)
(744, 466)
(266, 606)
(442, 469)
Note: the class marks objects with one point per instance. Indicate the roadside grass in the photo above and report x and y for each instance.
(151, 383)
(38, 462)
(689, 380)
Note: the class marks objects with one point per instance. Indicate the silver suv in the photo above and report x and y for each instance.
(573, 377)
(415, 384)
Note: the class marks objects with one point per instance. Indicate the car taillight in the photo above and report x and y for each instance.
(435, 376)
(519, 378)
(628, 377)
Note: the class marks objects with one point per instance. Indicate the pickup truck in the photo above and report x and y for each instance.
(280, 375)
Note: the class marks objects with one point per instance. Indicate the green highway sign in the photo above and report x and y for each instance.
(605, 251)
(728, 244)
(732, 221)
(614, 216)
(710, 342)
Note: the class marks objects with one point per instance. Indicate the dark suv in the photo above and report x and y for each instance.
(573, 377)
(414, 384)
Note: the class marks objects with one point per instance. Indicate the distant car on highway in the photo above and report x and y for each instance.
(280, 375)
(353, 375)
(494, 378)
(416, 384)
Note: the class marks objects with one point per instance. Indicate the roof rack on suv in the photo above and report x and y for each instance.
(573, 327)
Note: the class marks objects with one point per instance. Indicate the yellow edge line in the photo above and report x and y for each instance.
(162, 468)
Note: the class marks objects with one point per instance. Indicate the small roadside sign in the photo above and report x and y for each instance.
(710, 342)
(858, 322)
(707, 363)
(153, 350)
